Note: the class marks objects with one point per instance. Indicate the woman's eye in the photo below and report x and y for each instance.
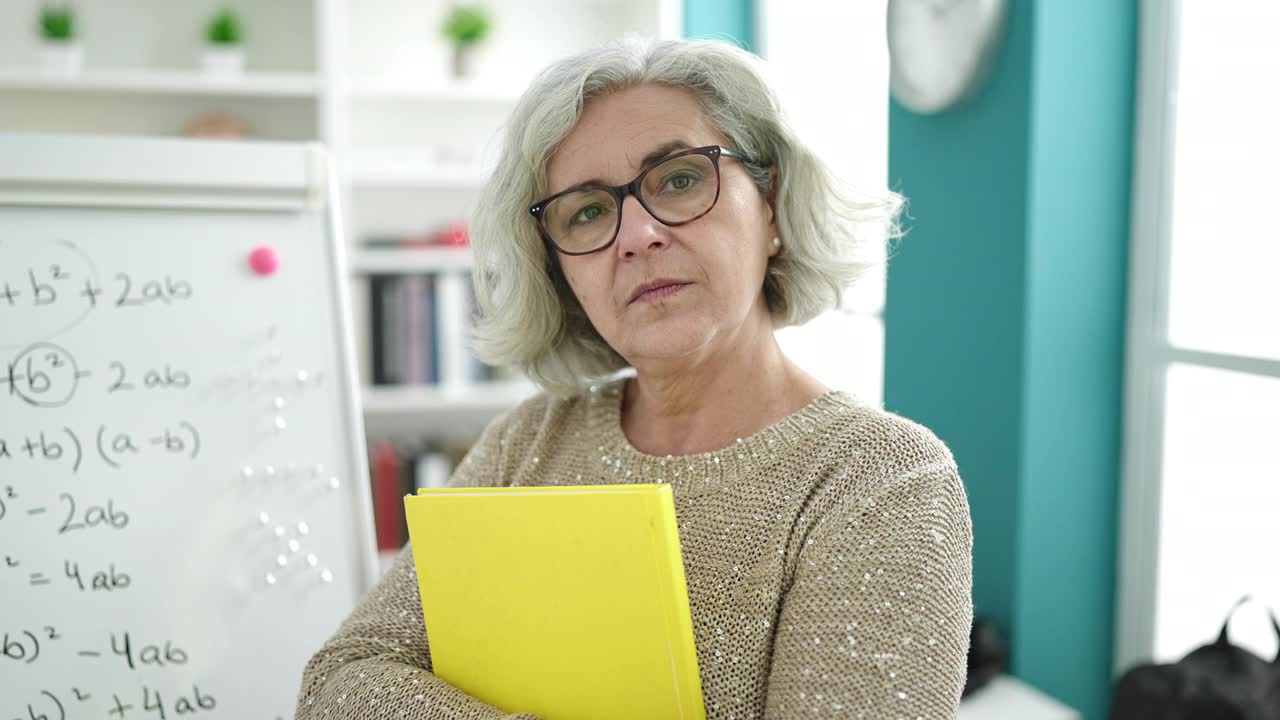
(586, 215)
(682, 181)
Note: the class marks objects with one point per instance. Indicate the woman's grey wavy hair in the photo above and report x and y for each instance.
(530, 318)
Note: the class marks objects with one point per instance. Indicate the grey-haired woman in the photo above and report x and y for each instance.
(651, 222)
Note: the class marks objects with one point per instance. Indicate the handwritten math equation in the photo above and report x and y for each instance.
(146, 703)
(118, 651)
(75, 515)
(47, 375)
(55, 285)
(113, 446)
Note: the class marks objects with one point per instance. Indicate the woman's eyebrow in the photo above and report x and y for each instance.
(655, 155)
(664, 150)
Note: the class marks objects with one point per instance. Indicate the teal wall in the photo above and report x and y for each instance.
(954, 311)
(1005, 322)
(722, 19)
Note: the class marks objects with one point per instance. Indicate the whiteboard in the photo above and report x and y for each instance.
(184, 502)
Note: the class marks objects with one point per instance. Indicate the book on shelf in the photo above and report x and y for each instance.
(420, 330)
(397, 469)
(432, 470)
(452, 235)
(421, 321)
(386, 482)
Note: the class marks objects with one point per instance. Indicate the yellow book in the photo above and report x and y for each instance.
(566, 602)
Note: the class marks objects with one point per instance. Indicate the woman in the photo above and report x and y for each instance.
(653, 212)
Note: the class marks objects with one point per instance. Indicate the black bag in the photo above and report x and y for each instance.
(988, 656)
(1218, 681)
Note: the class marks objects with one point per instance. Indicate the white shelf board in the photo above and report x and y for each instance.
(405, 172)
(433, 92)
(1007, 698)
(441, 411)
(427, 399)
(165, 82)
(409, 260)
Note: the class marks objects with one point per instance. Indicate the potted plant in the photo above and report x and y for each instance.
(61, 54)
(224, 48)
(465, 26)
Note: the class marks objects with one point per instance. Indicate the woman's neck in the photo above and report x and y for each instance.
(708, 406)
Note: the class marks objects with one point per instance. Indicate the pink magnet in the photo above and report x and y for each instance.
(264, 260)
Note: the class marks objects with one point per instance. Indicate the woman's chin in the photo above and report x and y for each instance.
(666, 340)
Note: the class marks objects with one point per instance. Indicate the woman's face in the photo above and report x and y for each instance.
(715, 265)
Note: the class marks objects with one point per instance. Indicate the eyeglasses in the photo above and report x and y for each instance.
(676, 190)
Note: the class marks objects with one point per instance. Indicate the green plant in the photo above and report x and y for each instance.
(224, 28)
(58, 23)
(466, 25)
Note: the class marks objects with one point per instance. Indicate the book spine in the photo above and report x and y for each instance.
(404, 306)
(391, 329)
(415, 364)
(430, 333)
(377, 330)
(451, 315)
(388, 519)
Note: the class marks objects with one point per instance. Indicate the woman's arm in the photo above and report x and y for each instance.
(876, 621)
(378, 663)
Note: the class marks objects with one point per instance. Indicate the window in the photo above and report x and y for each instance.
(1201, 487)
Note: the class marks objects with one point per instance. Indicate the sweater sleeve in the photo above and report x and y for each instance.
(378, 665)
(876, 620)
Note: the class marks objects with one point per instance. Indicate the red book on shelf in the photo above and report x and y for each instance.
(452, 235)
(388, 497)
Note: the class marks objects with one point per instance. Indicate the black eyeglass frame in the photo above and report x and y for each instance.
(620, 193)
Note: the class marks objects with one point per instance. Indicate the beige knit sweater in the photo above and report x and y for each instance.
(828, 560)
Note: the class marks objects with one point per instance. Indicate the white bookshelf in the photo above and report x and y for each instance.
(370, 79)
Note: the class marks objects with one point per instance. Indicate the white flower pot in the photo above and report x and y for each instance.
(61, 58)
(223, 62)
(463, 60)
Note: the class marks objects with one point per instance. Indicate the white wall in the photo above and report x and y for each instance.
(831, 69)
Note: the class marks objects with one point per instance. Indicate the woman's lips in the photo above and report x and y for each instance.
(659, 293)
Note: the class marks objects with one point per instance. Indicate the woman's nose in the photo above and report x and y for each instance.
(639, 230)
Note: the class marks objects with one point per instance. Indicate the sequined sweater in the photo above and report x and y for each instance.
(828, 559)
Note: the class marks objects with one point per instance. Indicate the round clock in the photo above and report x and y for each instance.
(940, 51)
